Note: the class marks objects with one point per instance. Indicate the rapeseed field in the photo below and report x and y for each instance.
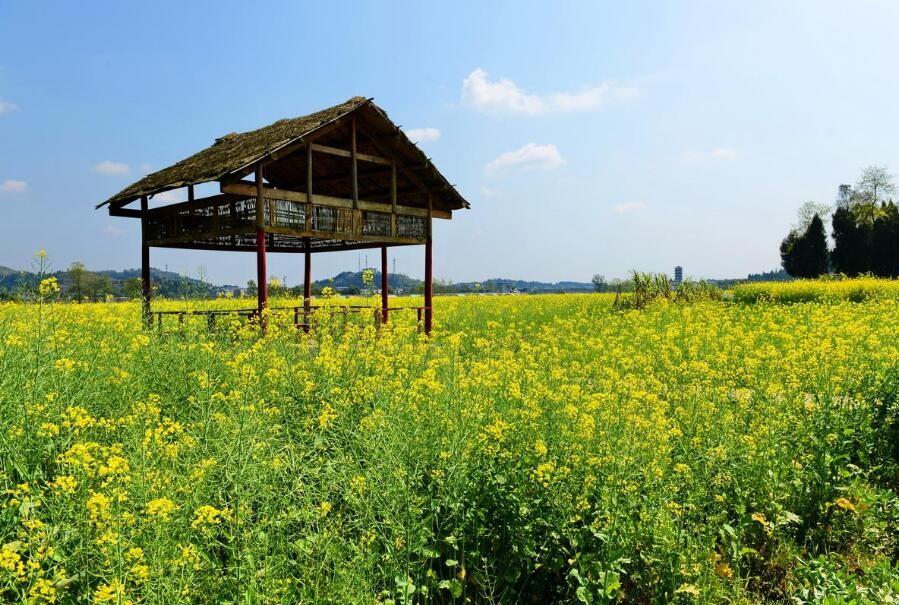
(533, 450)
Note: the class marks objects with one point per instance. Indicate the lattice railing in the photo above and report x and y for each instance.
(220, 219)
(414, 227)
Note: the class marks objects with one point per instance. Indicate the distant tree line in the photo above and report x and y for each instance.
(864, 228)
(78, 284)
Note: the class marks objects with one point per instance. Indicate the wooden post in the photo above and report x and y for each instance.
(353, 161)
(384, 285)
(146, 286)
(261, 272)
(357, 216)
(307, 284)
(308, 225)
(393, 199)
(429, 273)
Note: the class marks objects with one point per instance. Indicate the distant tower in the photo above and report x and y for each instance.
(678, 275)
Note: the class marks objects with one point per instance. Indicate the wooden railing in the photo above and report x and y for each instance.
(299, 312)
(218, 216)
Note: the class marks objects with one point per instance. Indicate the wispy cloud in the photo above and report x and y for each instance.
(489, 191)
(720, 154)
(531, 156)
(505, 96)
(113, 168)
(7, 107)
(627, 207)
(423, 135)
(13, 186)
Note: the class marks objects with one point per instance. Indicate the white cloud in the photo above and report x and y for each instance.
(170, 197)
(489, 191)
(112, 230)
(13, 186)
(504, 96)
(528, 157)
(7, 107)
(721, 154)
(626, 207)
(423, 135)
(114, 168)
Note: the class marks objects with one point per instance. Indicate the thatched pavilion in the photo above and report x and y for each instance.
(343, 178)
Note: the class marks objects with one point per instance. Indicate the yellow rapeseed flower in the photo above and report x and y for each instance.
(160, 507)
(207, 515)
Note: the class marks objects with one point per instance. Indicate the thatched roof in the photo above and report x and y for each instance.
(235, 154)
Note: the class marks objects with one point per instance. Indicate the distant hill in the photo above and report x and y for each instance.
(503, 285)
(99, 284)
(352, 282)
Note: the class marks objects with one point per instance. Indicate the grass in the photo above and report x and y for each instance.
(536, 449)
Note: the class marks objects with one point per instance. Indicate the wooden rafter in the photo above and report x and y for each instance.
(365, 157)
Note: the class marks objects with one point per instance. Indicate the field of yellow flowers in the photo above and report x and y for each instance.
(826, 289)
(534, 450)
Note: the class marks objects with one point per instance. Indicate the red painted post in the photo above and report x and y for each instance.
(146, 286)
(429, 285)
(384, 285)
(307, 284)
(261, 271)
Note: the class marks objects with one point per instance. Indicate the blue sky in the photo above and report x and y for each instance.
(589, 137)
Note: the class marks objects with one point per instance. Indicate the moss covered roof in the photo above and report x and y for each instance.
(236, 152)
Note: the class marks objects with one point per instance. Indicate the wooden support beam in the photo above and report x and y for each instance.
(293, 249)
(308, 187)
(186, 240)
(203, 202)
(393, 198)
(354, 165)
(344, 153)
(127, 212)
(393, 186)
(146, 286)
(190, 193)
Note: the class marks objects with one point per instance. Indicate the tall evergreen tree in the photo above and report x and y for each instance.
(805, 255)
(788, 252)
(885, 241)
(851, 254)
(814, 247)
